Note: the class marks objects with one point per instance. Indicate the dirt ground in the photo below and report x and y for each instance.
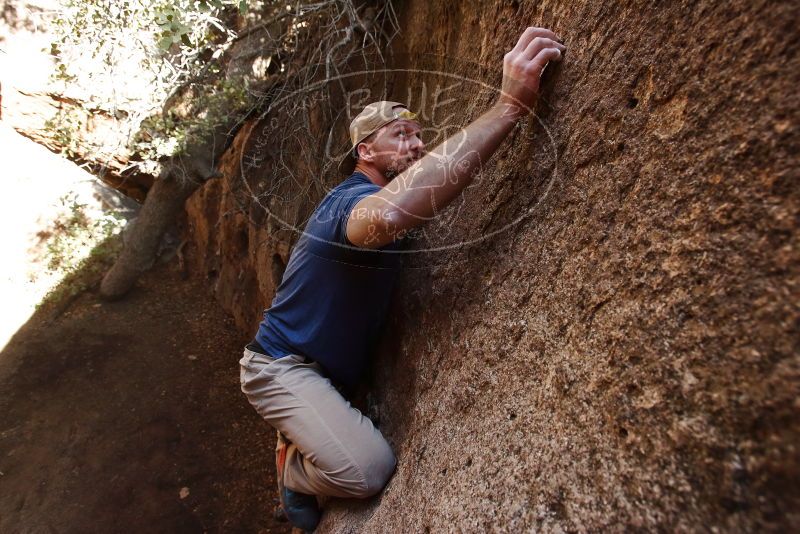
(127, 417)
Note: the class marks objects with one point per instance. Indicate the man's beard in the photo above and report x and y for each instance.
(392, 172)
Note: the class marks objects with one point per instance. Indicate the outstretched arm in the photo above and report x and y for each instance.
(434, 181)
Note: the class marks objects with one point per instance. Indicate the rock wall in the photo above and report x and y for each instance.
(615, 346)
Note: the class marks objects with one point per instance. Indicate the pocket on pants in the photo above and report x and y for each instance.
(247, 371)
(250, 373)
(252, 366)
(246, 368)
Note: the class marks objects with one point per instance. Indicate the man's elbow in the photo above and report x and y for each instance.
(378, 230)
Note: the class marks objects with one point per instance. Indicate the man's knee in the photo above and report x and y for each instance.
(378, 470)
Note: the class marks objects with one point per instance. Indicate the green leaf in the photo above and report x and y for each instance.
(165, 42)
(243, 6)
(185, 40)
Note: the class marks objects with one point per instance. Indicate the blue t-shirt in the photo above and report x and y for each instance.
(333, 298)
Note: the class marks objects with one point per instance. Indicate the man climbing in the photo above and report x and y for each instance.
(330, 305)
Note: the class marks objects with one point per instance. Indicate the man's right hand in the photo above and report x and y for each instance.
(523, 66)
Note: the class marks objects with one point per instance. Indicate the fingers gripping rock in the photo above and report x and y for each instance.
(524, 64)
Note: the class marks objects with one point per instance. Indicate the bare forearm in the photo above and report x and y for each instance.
(433, 182)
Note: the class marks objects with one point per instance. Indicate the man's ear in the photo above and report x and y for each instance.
(364, 152)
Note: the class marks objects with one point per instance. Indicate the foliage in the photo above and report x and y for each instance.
(77, 233)
(168, 134)
(178, 70)
(64, 126)
(80, 247)
(132, 55)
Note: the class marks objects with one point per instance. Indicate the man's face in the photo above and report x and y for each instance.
(395, 147)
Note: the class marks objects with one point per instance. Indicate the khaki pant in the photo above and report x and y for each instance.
(334, 449)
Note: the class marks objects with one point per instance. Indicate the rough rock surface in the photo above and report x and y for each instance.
(625, 355)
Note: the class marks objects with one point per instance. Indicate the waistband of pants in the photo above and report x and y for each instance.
(255, 346)
(257, 357)
(259, 352)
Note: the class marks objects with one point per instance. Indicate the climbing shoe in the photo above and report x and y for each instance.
(301, 509)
